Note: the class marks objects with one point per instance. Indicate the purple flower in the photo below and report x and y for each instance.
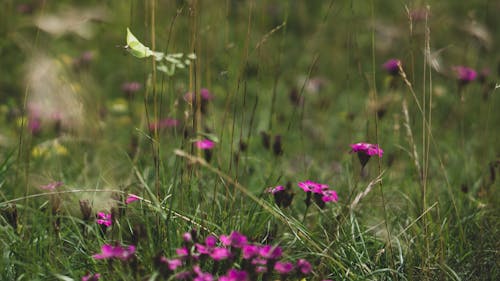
(51, 186)
(205, 144)
(304, 266)
(205, 94)
(283, 267)
(219, 254)
(392, 66)
(172, 264)
(367, 148)
(234, 275)
(182, 252)
(210, 243)
(132, 198)
(464, 74)
(310, 186)
(119, 252)
(330, 196)
(187, 237)
(236, 240)
(104, 219)
(275, 189)
(91, 277)
(250, 251)
(200, 275)
(270, 252)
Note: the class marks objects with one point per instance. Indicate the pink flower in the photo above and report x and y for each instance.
(234, 275)
(236, 240)
(200, 275)
(304, 266)
(119, 252)
(205, 144)
(91, 277)
(270, 252)
(104, 219)
(250, 251)
(310, 186)
(51, 186)
(187, 237)
(283, 267)
(172, 264)
(367, 148)
(219, 254)
(464, 74)
(275, 189)
(330, 196)
(132, 198)
(392, 66)
(182, 252)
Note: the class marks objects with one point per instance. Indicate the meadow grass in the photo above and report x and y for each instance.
(281, 89)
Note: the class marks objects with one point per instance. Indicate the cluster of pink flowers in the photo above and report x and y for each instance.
(326, 194)
(104, 219)
(254, 259)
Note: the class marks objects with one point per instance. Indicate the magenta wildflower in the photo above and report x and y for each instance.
(464, 74)
(172, 264)
(205, 144)
(187, 237)
(270, 252)
(220, 253)
(209, 245)
(282, 196)
(310, 186)
(119, 252)
(392, 66)
(330, 196)
(132, 198)
(283, 267)
(51, 186)
(200, 275)
(276, 189)
(365, 151)
(235, 239)
(367, 148)
(304, 266)
(91, 277)
(104, 219)
(249, 251)
(182, 252)
(234, 275)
